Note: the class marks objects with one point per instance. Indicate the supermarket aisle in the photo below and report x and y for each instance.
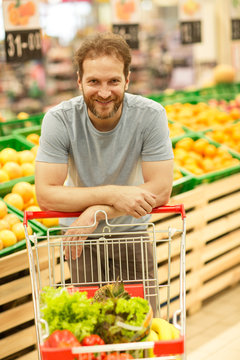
(213, 333)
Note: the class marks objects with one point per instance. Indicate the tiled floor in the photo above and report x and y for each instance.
(213, 333)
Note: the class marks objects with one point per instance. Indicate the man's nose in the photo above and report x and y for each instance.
(104, 92)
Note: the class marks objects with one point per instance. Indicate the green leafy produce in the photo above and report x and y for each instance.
(73, 312)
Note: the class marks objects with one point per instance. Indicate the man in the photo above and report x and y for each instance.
(112, 147)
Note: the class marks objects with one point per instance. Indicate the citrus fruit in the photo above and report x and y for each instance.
(11, 219)
(50, 222)
(3, 209)
(8, 238)
(1, 245)
(13, 170)
(25, 156)
(18, 230)
(24, 189)
(8, 154)
(33, 138)
(3, 176)
(34, 196)
(4, 224)
(27, 169)
(22, 115)
(185, 143)
(14, 200)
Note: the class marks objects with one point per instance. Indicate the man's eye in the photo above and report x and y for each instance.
(93, 81)
(115, 81)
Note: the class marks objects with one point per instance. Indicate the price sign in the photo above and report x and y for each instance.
(129, 32)
(190, 32)
(235, 29)
(22, 30)
(23, 45)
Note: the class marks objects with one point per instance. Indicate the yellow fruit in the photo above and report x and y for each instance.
(22, 115)
(34, 138)
(27, 169)
(3, 176)
(11, 219)
(185, 143)
(175, 332)
(8, 154)
(14, 200)
(18, 230)
(13, 170)
(4, 225)
(35, 202)
(3, 209)
(8, 238)
(25, 156)
(162, 328)
(24, 189)
(153, 336)
(50, 222)
(1, 245)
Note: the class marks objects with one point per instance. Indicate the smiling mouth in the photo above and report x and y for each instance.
(104, 102)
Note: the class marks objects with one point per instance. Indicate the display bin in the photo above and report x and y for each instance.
(18, 144)
(185, 183)
(6, 128)
(22, 243)
(221, 91)
(23, 133)
(213, 175)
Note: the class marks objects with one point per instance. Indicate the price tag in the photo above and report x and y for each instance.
(129, 32)
(190, 32)
(235, 29)
(23, 45)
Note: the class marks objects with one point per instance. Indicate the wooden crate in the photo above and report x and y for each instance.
(212, 242)
(212, 263)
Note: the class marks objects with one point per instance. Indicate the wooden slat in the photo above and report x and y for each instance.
(15, 290)
(16, 316)
(221, 264)
(222, 206)
(30, 356)
(19, 341)
(222, 187)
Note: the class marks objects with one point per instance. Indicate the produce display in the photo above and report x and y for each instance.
(198, 117)
(199, 156)
(229, 135)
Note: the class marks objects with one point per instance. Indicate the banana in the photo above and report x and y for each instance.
(153, 336)
(162, 328)
(175, 332)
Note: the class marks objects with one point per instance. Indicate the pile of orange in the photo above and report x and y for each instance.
(11, 227)
(201, 157)
(228, 135)
(33, 138)
(23, 197)
(15, 164)
(198, 116)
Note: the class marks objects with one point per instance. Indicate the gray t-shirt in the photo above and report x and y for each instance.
(102, 158)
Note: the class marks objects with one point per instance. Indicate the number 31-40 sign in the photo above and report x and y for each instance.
(22, 30)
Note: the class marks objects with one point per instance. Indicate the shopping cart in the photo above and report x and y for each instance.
(107, 257)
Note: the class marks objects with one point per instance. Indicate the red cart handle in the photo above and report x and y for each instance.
(30, 215)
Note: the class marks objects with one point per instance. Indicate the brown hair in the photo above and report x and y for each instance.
(100, 45)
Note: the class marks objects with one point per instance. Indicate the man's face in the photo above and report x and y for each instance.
(103, 85)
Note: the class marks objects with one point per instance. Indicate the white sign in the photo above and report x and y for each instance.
(125, 11)
(20, 15)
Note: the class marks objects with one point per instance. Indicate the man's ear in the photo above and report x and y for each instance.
(78, 79)
(127, 80)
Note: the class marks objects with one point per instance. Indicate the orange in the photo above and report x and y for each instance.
(3, 209)
(185, 143)
(18, 230)
(3, 176)
(8, 154)
(27, 169)
(235, 114)
(24, 189)
(1, 245)
(25, 156)
(11, 219)
(14, 200)
(13, 170)
(33, 138)
(208, 165)
(50, 222)
(210, 150)
(4, 224)
(34, 195)
(8, 238)
(199, 145)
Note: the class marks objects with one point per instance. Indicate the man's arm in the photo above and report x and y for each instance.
(52, 195)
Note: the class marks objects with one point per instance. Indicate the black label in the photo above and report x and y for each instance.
(129, 32)
(190, 32)
(235, 29)
(23, 45)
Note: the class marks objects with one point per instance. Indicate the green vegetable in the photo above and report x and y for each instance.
(73, 312)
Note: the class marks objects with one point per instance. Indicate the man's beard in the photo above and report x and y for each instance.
(91, 106)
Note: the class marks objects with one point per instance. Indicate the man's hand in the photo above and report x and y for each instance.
(134, 201)
(85, 219)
